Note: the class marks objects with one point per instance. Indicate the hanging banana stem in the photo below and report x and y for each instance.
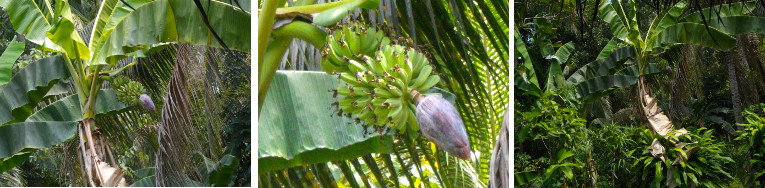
(416, 96)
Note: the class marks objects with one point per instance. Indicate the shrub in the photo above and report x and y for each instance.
(754, 142)
(697, 159)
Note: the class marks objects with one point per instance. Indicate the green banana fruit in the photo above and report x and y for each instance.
(379, 78)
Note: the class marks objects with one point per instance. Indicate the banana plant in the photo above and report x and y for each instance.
(526, 77)
(612, 69)
(295, 22)
(119, 31)
(709, 27)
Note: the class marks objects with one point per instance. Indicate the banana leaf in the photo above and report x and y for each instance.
(614, 19)
(150, 181)
(226, 172)
(331, 16)
(18, 140)
(145, 172)
(666, 18)
(8, 58)
(30, 21)
(601, 67)
(28, 87)
(525, 76)
(68, 109)
(594, 85)
(555, 74)
(110, 13)
(297, 126)
(691, 33)
(167, 21)
(732, 9)
(13, 161)
(634, 70)
(736, 25)
(64, 34)
(606, 51)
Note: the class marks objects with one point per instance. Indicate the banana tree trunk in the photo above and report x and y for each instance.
(660, 124)
(97, 158)
(654, 117)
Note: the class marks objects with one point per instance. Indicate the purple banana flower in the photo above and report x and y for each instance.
(441, 123)
(146, 102)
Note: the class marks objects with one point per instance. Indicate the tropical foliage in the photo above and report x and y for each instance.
(98, 102)
(636, 93)
(472, 68)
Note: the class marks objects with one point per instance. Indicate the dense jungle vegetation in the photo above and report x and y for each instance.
(627, 93)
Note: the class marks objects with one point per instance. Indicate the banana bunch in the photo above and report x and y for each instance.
(128, 91)
(381, 85)
(351, 43)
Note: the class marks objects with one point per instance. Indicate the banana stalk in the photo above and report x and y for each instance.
(328, 14)
(276, 48)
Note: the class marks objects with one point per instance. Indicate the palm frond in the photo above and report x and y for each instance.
(198, 101)
(12, 178)
(175, 139)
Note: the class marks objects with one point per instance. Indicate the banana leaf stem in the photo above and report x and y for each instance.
(310, 9)
(91, 103)
(265, 22)
(276, 48)
(270, 62)
(76, 78)
(304, 31)
(78, 65)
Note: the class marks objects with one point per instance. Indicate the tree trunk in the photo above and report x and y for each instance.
(735, 97)
(97, 159)
(650, 112)
(680, 83)
(499, 175)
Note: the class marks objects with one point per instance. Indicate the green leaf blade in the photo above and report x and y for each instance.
(733, 9)
(8, 58)
(173, 21)
(691, 33)
(28, 87)
(68, 108)
(16, 137)
(297, 128)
